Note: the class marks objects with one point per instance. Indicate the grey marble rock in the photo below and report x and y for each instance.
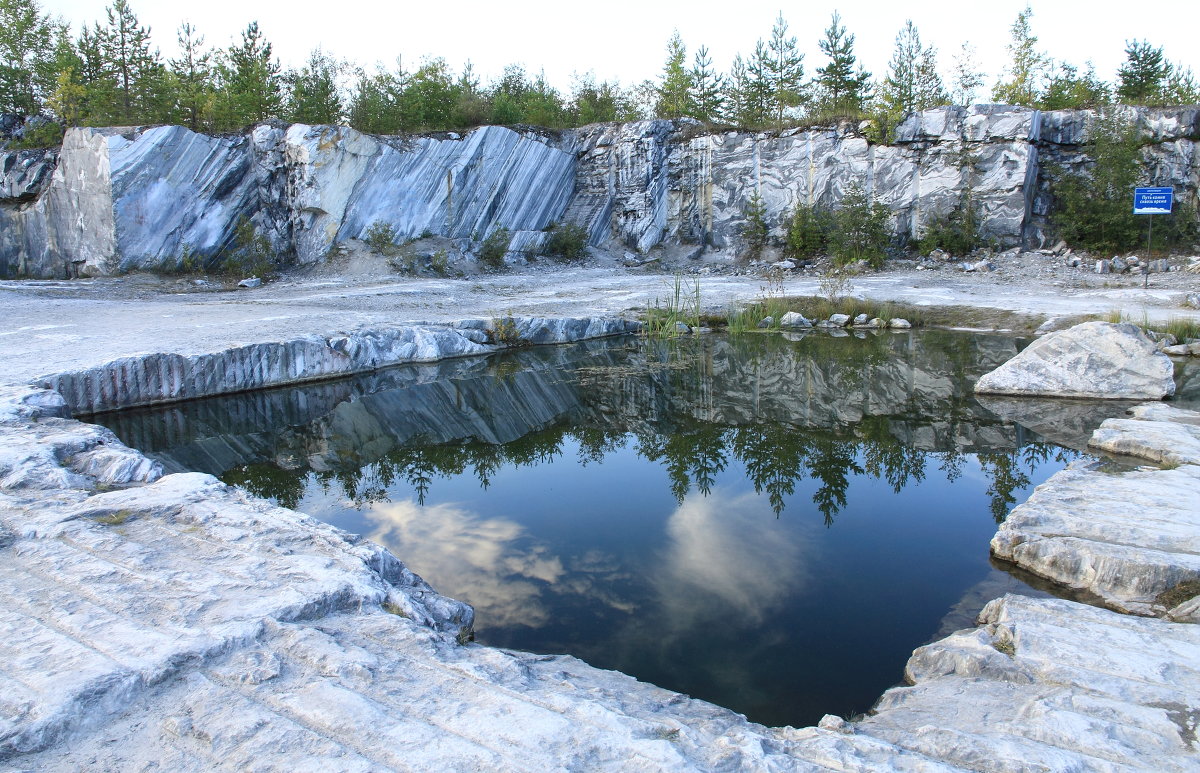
(1092, 359)
(165, 377)
(183, 624)
(152, 196)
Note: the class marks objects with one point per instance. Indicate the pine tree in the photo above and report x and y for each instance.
(842, 85)
(134, 72)
(674, 99)
(968, 78)
(784, 68)
(193, 74)
(374, 104)
(250, 82)
(1143, 76)
(314, 97)
(707, 86)
(1181, 88)
(593, 102)
(1026, 68)
(912, 82)
(427, 102)
(27, 44)
(1068, 90)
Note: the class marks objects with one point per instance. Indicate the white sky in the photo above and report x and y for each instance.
(625, 40)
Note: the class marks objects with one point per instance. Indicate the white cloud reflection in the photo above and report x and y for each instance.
(481, 560)
(727, 557)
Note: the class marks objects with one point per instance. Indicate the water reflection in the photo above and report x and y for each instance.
(664, 508)
(488, 555)
(721, 566)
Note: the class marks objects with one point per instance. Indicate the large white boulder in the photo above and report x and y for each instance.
(1093, 359)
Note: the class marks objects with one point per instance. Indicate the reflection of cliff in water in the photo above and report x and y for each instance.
(890, 406)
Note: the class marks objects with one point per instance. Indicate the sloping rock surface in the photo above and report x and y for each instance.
(1124, 537)
(184, 625)
(1093, 359)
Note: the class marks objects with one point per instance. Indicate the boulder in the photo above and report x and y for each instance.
(860, 320)
(839, 320)
(1093, 360)
(899, 323)
(794, 320)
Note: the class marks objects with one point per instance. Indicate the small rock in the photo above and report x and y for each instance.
(839, 320)
(1159, 266)
(681, 327)
(250, 283)
(834, 724)
(784, 265)
(939, 254)
(860, 320)
(1060, 248)
(1192, 301)
(1103, 267)
(1074, 262)
(983, 267)
(1178, 350)
(900, 324)
(766, 322)
(200, 282)
(1118, 266)
(876, 322)
(794, 320)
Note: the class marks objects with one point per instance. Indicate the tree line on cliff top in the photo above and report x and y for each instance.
(109, 73)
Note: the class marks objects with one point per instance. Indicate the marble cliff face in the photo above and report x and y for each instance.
(121, 199)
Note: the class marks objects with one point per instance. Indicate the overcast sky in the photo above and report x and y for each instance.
(625, 40)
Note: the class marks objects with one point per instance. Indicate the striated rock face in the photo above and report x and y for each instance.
(165, 377)
(1093, 359)
(342, 181)
(145, 197)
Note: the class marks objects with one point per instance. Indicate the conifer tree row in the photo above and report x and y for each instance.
(111, 73)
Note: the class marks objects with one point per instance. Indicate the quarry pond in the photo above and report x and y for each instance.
(770, 522)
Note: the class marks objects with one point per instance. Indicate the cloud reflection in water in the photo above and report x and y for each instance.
(485, 561)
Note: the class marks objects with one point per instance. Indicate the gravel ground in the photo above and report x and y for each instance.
(49, 326)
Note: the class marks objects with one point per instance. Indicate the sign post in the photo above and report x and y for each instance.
(1151, 201)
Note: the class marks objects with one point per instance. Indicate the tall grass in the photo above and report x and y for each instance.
(1182, 328)
(661, 319)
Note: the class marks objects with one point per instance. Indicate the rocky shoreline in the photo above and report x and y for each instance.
(178, 622)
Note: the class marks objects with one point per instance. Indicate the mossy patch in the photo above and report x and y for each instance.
(115, 519)
(1173, 597)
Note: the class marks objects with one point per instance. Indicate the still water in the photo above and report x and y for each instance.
(766, 523)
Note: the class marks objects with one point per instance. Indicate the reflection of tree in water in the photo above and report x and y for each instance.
(1006, 476)
(668, 406)
(285, 487)
(776, 458)
(692, 457)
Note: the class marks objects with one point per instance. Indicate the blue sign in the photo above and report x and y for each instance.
(1153, 201)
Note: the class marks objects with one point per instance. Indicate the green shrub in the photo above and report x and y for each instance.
(494, 248)
(1095, 208)
(566, 243)
(504, 331)
(44, 135)
(440, 262)
(251, 254)
(755, 234)
(956, 232)
(381, 238)
(808, 232)
(861, 229)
